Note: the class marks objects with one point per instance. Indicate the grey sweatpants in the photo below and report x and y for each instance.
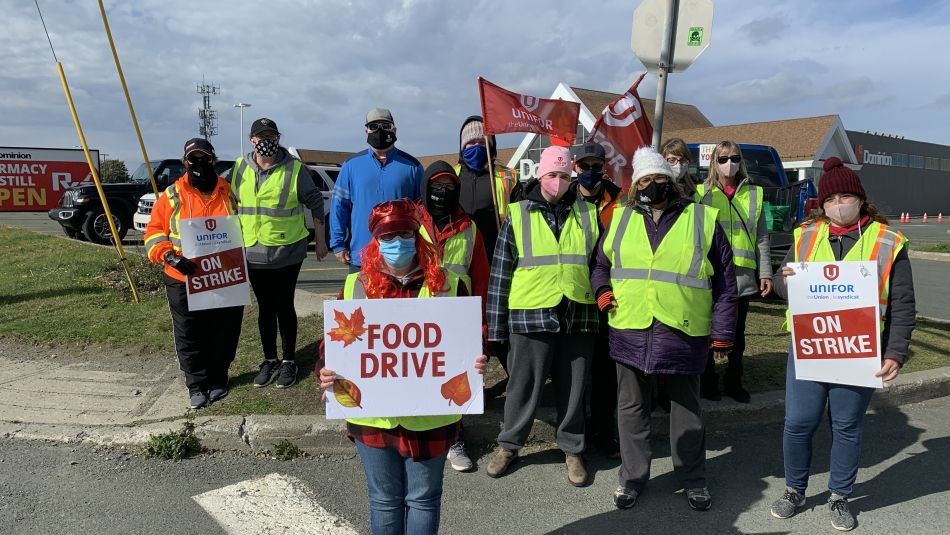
(687, 431)
(566, 357)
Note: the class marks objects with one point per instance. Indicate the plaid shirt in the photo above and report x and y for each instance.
(418, 445)
(568, 317)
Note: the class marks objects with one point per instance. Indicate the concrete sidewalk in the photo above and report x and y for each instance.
(50, 399)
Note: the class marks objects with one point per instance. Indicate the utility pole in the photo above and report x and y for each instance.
(207, 116)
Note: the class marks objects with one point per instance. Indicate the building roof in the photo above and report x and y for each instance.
(503, 156)
(676, 116)
(794, 139)
(323, 157)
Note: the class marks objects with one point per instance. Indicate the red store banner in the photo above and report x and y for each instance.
(34, 179)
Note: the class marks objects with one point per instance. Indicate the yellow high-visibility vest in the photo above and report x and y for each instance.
(271, 214)
(741, 227)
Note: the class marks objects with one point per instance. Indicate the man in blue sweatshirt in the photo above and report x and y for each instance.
(378, 174)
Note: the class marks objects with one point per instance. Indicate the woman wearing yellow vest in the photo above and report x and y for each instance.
(663, 273)
(403, 458)
(540, 301)
(847, 229)
(729, 189)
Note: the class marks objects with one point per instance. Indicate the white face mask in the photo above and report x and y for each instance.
(842, 214)
(729, 168)
(679, 170)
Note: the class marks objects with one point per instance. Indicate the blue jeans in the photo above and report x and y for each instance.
(405, 496)
(805, 402)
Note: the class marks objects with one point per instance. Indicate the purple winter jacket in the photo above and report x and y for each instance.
(661, 349)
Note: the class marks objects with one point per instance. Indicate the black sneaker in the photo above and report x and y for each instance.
(268, 369)
(625, 498)
(199, 400)
(733, 389)
(216, 393)
(287, 375)
(709, 389)
(788, 504)
(698, 499)
(841, 517)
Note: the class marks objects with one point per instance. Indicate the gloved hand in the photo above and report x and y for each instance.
(721, 348)
(182, 264)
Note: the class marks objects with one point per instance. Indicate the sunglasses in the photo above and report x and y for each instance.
(374, 127)
(587, 166)
(438, 186)
(735, 158)
(195, 160)
(406, 235)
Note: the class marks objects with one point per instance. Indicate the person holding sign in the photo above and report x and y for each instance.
(729, 189)
(403, 457)
(540, 301)
(205, 340)
(663, 273)
(848, 228)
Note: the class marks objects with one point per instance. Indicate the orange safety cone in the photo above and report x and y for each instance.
(940, 217)
(905, 217)
(902, 216)
(925, 217)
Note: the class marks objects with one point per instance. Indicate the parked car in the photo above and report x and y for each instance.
(787, 202)
(82, 216)
(323, 176)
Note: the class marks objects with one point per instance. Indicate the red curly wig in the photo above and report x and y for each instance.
(377, 281)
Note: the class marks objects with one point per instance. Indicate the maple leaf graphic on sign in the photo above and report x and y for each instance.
(348, 329)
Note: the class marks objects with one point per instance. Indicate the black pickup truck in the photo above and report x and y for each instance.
(82, 216)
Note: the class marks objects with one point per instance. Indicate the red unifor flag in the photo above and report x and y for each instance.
(505, 111)
(622, 128)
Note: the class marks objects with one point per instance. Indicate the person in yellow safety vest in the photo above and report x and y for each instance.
(663, 273)
(598, 189)
(847, 229)
(445, 225)
(205, 340)
(540, 301)
(729, 189)
(271, 189)
(678, 156)
(483, 199)
(403, 457)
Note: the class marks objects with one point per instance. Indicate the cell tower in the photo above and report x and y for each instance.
(207, 116)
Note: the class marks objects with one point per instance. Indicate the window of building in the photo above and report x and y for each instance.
(945, 164)
(917, 162)
(899, 159)
(932, 163)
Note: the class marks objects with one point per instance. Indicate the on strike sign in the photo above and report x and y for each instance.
(835, 322)
(403, 357)
(216, 246)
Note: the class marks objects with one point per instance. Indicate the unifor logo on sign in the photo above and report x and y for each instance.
(831, 272)
(211, 224)
(529, 102)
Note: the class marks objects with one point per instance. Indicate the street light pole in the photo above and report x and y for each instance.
(241, 105)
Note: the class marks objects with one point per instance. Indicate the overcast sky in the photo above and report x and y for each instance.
(316, 67)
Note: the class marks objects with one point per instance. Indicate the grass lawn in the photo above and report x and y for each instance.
(64, 292)
(934, 248)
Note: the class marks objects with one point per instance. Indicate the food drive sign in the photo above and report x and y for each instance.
(216, 246)
(403, 357)
(835, 322)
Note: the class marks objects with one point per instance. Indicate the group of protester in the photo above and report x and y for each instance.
(629, 297)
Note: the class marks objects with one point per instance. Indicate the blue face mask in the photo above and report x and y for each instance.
(475, 157)
(590, 178)
(398, 252)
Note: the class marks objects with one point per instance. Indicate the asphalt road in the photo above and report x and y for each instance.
(903, 487)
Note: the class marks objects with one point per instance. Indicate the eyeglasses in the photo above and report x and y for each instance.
(390, 236)
(673, 160)
(735, 158)
(596, 167)
(382, 125)
(647, 180)
(439, 186)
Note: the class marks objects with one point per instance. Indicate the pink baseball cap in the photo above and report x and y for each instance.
(555, 159)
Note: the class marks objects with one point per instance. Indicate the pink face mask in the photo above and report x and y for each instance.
(553, 188)
(729, 168)
(843, 214)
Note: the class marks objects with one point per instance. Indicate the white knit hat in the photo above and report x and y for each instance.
(647, 161)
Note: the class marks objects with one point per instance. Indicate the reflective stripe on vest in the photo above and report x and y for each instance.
(673, 284)
(173, 232)
(878, 243)
(457, 252)
(548, 268)
(271, 214)
(741, 233)
(353, 289)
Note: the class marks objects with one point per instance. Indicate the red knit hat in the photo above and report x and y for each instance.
(838, 179)
(394, 216)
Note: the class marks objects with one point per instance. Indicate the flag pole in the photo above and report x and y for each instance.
(494, 184)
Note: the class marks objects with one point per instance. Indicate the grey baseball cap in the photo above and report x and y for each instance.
(379, 114)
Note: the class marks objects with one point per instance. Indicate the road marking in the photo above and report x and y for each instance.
(274, 504)
(325, 269)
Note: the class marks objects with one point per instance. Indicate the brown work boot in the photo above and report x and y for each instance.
(500, 462)
(576, 473)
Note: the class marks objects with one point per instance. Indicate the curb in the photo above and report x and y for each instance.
(927, 255)
(316, 435)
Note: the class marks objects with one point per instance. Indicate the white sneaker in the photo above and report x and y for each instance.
(458, 459)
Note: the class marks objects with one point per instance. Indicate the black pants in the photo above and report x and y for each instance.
(205, 340)
(734, 368)
(274, 290)
(687, 430)
(603, 391)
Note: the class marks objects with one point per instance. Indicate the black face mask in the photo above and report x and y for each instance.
(201, 175)
(381, 139)
(443, 201)
(655, 193)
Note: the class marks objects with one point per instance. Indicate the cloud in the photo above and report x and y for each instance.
(942, 101)
(782, 88)
(765, 30)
